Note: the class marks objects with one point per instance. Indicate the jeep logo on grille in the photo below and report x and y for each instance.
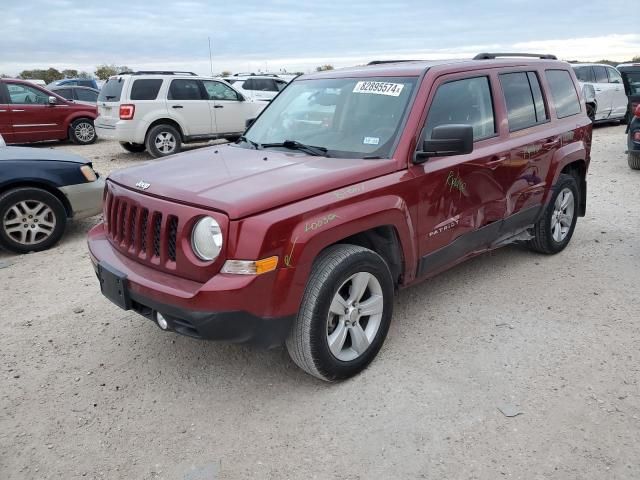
(143, 185)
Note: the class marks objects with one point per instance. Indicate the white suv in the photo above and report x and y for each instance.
(159, 111)
(603, 91)
(258, 87)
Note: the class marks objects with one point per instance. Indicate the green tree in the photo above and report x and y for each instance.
(103, 72)
(70, 73)
(225, 73)
(636, 59)
(49, 75)
(84, 74)
(322, 68)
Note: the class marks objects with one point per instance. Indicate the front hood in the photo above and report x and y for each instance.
(242, 182)
(42, 154)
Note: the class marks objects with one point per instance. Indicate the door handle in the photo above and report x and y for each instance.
(218, 106)
(16, 110)
(598, 89)
(496, 160)
(177, 106)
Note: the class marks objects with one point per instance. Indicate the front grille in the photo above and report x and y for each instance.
(139, 231)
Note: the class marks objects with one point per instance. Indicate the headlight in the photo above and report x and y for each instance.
(206, 239)
(89, 173)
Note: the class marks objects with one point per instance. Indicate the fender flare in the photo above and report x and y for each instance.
(572, 152)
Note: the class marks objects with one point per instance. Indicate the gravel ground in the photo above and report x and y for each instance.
(90, 391)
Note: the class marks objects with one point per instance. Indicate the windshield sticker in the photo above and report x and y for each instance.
(379, 88)
(371, 140)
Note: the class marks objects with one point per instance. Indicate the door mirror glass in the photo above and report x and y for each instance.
(52, 100)
(446, 141)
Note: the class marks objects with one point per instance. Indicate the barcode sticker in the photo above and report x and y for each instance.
(379, 88)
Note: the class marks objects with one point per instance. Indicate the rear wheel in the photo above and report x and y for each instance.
(31, 220)
(82, 131)
(554, 229)
(133, 147)
(634, 160)
(163, 140)
(345, 313)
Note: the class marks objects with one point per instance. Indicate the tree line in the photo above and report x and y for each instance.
(102, 72)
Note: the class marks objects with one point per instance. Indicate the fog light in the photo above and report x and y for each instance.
(162, 322)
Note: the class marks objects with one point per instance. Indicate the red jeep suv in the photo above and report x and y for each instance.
(350, 185)
(29, 113)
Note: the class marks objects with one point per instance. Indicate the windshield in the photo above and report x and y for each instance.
(350, 117)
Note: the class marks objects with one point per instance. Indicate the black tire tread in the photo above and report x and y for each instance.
(633, 159)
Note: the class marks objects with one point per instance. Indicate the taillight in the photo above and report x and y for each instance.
(636, 137)
(127, 111)
(637, 110)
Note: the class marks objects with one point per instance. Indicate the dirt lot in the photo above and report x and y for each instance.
(90, 391)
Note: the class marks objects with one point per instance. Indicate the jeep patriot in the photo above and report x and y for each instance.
(350, 185)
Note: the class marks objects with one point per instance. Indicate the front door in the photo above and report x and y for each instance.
(460, 196)
(604, 92)
(33, 118)
(619, 100)
(230, 111)
(188, 104)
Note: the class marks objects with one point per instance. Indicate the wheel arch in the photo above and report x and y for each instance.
(578, 170)
(165, 121)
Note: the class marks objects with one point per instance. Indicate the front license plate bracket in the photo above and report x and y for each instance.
(114, 285)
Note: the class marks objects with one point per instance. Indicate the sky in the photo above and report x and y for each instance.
(276, 35)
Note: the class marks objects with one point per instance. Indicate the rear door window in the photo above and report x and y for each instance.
(183, 89)
(65, 92)
(465, 101)
(85, 83)
(111, 90)
(563, 92)
(601, 74)
(525, 105)
(584, 74)
(146, 89)
(86, 95)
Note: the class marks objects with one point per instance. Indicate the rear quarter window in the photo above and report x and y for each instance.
(146, 89)
(563, 93)
(111, 90)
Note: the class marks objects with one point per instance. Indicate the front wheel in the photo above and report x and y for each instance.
(31, 220)
(163, 140)
(82, 131)
(345, 313)
(554, 229)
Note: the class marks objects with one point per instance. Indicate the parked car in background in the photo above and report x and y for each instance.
(2, 142)
(40, 190)
(631, 78)
(75, 82)
(633, 139)
(258, 87)
(159, 111)
(351, 184)
(603, 91)
(78, 94)
(36, 81)
(29, 113)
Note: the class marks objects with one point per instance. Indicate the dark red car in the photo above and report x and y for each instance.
(29, 113)
(350, 185)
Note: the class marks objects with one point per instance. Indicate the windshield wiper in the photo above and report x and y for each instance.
(250, 142)
(295, 145)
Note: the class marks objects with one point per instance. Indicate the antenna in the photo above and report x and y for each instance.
(210, 57)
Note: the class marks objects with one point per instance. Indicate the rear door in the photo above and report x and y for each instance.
(33, 118)
(109, 103)
(229, 109)
(188, 104)
(619, 99)
(604, 92)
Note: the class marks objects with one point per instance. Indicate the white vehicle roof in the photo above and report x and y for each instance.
(591, 65)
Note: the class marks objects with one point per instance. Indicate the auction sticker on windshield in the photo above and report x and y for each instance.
(379, 88)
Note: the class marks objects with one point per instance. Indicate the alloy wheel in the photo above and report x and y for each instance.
(562, 217)
(29, 222)
(84, 132)
(165, 142)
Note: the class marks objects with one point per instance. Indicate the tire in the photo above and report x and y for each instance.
(552, 235)
(591, 112)
(163, 140)
(133, 147)
(82, 131)
(43, 229)
(633, 159)
(334, 273)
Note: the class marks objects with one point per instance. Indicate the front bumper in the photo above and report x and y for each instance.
(85, 198)
(232, 308)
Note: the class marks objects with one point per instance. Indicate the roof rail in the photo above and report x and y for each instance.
(253, 74)
(492, 56)
(158, 72)
(382, 62)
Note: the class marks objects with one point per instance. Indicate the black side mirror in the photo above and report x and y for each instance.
(249, 122)
(445, 141)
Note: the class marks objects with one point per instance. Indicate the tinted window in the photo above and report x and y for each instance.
(524, 108)
(463, 101)
(584, 74)
(25, 94)
(111, 90)
(65, 92)
(85, 83)
(261, 84)
(86, 95)
(219, 91)
(614, 76)
(185, 90)
(563, 92)
(145, 89)
(601, 74)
